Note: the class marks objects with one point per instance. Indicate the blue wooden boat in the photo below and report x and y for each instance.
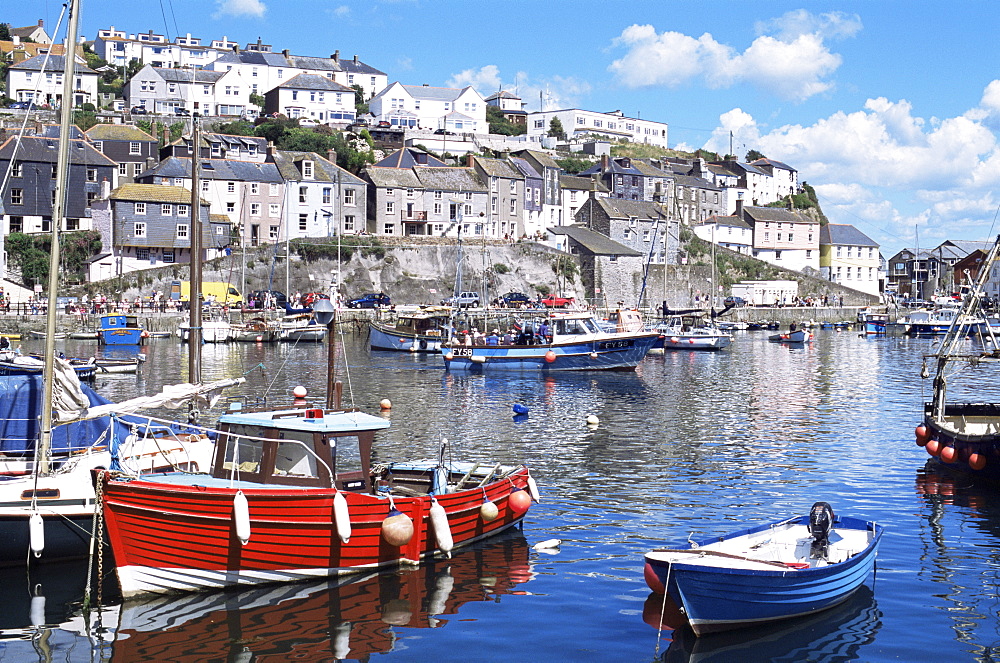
(790, 568)
(576, 342)
(420, 331)
(120, 329)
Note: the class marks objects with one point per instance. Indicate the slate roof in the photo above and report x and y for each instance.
(739, 167)
(450, 179)
(314, 82)
(525, 167)
(435, 93)
(118, 132)
(843, 234)
(154, 193)
(215, 169)
(729, 221)
(396, 178)
(650, 170)
(498, 168)
(185, 75)
(56, 63)
(324, 170)
(52, 131)
(37, 149)
(541, 158)
(595, 242)
(502, 94)
(616, 167)
(582, 183)
(778, 214)
(404, 158)
(254, 57)
(695, 182)
(774, 163)
(621, 208)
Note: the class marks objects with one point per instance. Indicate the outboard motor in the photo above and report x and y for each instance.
(821, 519)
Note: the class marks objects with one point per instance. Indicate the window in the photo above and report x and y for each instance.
(513, 207)
(777, 255)
(99, 146)
(254, 188)
(17, 224)
(91, 174)
(388, 228)
(307, 169)
(275, 190)
(390, 207)
(767, 237)
(303, 222)
(230, 187)
(468, 195)
(272, 233)
(303, 194)
(230, 208)
(273, 209)
(437, 208)
(135, 147)
(791, 237)
(139, 230)
(513, 187)
(140, 208)
(168, 256)
(254, 209)
(349, 197)
(348, 223)
(468, 210)
(136, 169)
(388, 192)
(204, 186)
(182, 210)
(17, 196)
(493, 204)
(178, 181)
(142, 254)
(220, 229)
(123, 169)
(809, 254)
(167, 209)
(838, 251)
(182, 231)
(437, 195)
(572, 196)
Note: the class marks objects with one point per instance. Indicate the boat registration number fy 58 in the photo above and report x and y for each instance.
(462, 352)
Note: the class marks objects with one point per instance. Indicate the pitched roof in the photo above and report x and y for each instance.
(56, 63)
(594, 242)
(42, 150)
(621, 208)
(215, 169)
(450, 179)
(434, 93)
(118, 132)
(733, 221)
(844, 234)
(408, 157)
(779, 214)
(324, 170)
(582, 183)
(773, 163)
(31, 48)
(154, 193)
(498, 168)
(523, 165)
(502, 94)
(541, 158)
(396, 178)
(188, 75)
(314, 82)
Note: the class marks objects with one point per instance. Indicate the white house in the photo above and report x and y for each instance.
(849, 257)
(119, 48)
(452, 109)
(206, 92)
(615, 125)
(732, 232)
(314, 97)
(27, 81)
(321, 199)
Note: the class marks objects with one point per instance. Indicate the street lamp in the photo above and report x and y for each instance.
(325, 314)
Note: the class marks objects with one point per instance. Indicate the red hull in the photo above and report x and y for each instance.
(179, 537)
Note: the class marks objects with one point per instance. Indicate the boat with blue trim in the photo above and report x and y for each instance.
(790, 568)
(424, 330)
(121, 329)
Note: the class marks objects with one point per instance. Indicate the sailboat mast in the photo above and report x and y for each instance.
(194, 332)
(58, 214)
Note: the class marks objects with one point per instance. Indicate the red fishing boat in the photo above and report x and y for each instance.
(293, 495)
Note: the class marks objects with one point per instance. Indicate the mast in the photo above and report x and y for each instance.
(58, 216)
(194, 331)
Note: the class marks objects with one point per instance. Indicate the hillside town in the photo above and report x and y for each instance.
(434, 168)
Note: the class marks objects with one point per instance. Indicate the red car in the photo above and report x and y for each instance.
(557, 302)
(310, 298)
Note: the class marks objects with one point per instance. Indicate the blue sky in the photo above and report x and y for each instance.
(889, 109)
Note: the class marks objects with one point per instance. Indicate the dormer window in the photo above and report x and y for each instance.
(307, 169)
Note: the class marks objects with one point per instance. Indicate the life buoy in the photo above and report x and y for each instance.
(423, 344)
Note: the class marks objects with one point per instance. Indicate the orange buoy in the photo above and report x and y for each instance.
(520, 501)
(948, 454)
(550, 356)
(977, 461)
(449, 356)
(933, 447)
(397, 528)
(923, 434)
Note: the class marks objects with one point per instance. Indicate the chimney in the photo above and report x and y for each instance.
(470, 161)
(355, 59)
(331, 155)
(336, 56)
(604, 163)
(739, 207)
(41, 23)
(105, 188)
(270, 148)
(166, 136)
(286, 53)
(150, 162)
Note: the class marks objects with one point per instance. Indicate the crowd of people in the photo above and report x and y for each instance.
(540, 334)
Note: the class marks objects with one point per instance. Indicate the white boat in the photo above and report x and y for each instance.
(300, 327)
(689, 332)
(212, 331)
(793, 335)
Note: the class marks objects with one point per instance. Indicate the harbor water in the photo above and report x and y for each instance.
(688, 445)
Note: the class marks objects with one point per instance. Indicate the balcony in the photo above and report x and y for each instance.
(412, 215)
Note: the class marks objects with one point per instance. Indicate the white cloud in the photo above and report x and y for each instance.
(404, 63)
(342, 11)
(486, 79)
(558, 91)
(224, 8)
(794, 64)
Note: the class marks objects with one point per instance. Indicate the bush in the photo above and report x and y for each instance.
(501, 268)
(328, 248)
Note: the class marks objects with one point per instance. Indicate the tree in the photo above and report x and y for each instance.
(360, 105)
(556, 129)
(85, 119)
(257, 100)
(574, 165)
(753, 155)
(5, 32)
(500, 125)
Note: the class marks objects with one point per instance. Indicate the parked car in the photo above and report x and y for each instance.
(552, 301)
(371, 300)
(444, 132)
(180, 110)
(311, 298)
(260, 298)
(22, 105)
(463, 299)
(735, 302)
(138, 110)
(308, 122)
(514, 300)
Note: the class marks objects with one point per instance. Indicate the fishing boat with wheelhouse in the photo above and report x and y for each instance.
(424, 331)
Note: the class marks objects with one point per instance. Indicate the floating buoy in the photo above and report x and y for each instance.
(933, 447)
(385, 404)
(548, 544)
(478, 359)
(592, 420)
(442, 531)
(414, 347)
(520, 409)
(922, 435)
(342, 517)
(488, 511)
(520, 501)
(241, 517)
(948, 454)
(593, 355)
(299, 392)
(550, 356)
(977, 461)
(397, 528)
(449, 356)
(533, 489)
(652, 579)
(260, 339)
(36, 534)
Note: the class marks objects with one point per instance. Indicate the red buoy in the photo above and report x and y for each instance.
(933, 447)
(922, 435)
(550, 356)
(519, 501)
(948, 454)
(977, 461)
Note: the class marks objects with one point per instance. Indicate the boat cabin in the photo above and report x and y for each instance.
(424, 323)
(117, 321)
(313, 448)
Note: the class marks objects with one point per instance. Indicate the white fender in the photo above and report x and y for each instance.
(241, 517)
(37, 611)
(442, 531)
(36, 534)
(342, 517)
(533, 489)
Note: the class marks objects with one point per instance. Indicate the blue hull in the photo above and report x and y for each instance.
(82, 372)
(605, 354)
(383, 339)
(65, 538)
(718, 598)
(121, 336)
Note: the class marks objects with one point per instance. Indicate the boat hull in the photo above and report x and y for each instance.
(973, 431)
(616, 353)
(722, 598)
(83, 372)
(121, 336)
(384, 338)
(173, 537)
(695, 342)
(800, 336)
